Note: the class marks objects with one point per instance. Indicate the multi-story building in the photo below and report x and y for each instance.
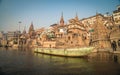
(1, 34)
(116, 16)
(1, 37)
(13, 36)
(99, 37)
(99, 27)
(62, 35)
(92, 31)
(77, 35)
(90, 21)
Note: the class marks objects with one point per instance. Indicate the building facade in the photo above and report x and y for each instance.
(13, 37)
(93, 31)
(99, 37)
(116, 16)
(73, 34)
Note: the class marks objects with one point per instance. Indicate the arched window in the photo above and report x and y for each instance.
(68, 37)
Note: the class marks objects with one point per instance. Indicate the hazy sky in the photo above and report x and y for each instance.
(43, 13)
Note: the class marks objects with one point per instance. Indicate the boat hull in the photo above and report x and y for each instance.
(73, 52)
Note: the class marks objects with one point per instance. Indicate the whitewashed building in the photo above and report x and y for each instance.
(116, 15)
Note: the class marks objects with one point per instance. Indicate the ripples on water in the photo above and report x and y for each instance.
(26, 62)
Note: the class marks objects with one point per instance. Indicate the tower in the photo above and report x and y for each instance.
(31, 28)
(31, 31)
(100, 34)
(62, 20)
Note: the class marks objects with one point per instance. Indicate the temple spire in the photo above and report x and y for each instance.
(62, 20)
(31, 28)
(76, 17)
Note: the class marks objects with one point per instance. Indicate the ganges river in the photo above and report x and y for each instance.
(26, 62)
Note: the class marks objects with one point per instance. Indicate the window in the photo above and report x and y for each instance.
(69, 38)
(115, 19)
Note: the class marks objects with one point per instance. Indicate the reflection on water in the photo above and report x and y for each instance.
(64, 65)
(104, 57)
(115, 58)
(26, 62)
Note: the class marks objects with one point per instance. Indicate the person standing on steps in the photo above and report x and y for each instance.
(113, 45)
(119, 43)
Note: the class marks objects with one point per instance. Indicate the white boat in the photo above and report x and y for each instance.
(68, 52)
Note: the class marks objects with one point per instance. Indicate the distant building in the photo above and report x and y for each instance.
(12, 34)
(31, 36)
(90, 21)
(12, 37)
(31, 31)
(116, 16)
(1, 37)
(1, 34)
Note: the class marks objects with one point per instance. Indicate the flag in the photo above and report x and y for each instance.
(91, 30)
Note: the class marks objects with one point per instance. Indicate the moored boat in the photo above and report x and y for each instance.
(68, 52)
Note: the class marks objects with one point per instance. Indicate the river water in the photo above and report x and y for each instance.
(26, 62)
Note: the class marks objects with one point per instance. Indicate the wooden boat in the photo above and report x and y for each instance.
(69, 52)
